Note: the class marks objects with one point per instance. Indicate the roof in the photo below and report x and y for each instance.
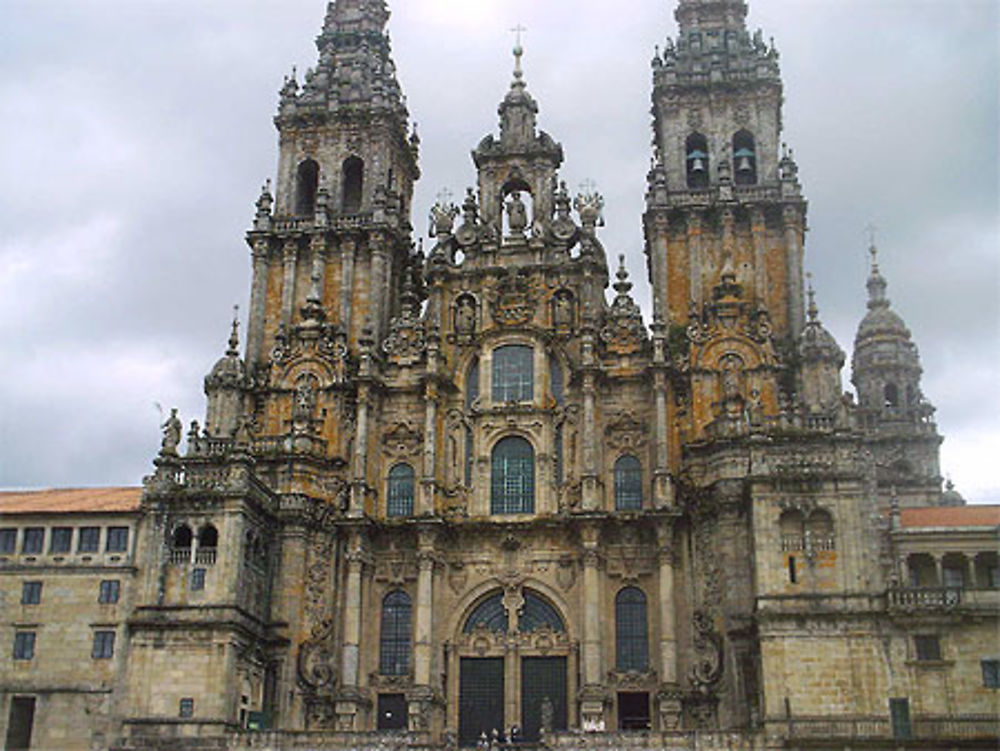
(70, 501)
(950, 516)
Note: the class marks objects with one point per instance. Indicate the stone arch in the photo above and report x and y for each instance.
(306, 187)
(352, 175)
(486, 589)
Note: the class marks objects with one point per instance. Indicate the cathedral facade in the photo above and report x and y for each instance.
(461, 498)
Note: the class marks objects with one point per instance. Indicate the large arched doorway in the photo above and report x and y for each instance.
(513, 667)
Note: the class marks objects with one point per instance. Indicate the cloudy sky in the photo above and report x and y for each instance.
(136, 135)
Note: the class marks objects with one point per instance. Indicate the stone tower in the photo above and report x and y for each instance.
(896, 417)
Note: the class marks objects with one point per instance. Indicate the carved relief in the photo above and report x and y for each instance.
(402, 441)
(626, 432)
(514, 300)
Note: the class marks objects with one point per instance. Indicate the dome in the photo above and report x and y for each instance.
(229, 371)
(816, 344)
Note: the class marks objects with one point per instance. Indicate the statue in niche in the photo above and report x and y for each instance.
(305, 401)
(732, 385)
(562, 309)
(465, 316)
(171, 434)
(517, 214)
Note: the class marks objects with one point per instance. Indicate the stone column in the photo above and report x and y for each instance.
(431, 396)
(348, 249)
(939, 570)
(378, 287)
(758, 228)
(592, 695)
(319, 266)
(588, 475)
(359, 482)
(350, 700)
(662, 495)
(694, 245)
(660, 247)
(668, 625)
(424, 621)
(290, 256)
(793, 248)
(258, 303)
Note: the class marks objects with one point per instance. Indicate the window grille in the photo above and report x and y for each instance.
(513, 374)
(537, 613)
(631, 631)
(628, 484)
(513, 477)
(489, 613)
(8, 541)
(186, 707)
(927, 647)
(394, 648)
(401, 488)
(991, 673)
(197, 579)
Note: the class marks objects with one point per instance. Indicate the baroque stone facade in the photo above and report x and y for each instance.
(460, 498)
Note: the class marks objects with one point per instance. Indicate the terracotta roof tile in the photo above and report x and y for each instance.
(70, 501)
(950, 516)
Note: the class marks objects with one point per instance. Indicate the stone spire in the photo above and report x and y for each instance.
(706, 15)
(822, 358)
(518, 111)
(355, 69)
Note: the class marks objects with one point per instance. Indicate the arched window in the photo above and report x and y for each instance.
(696, 160)
(394, 644)
(489, 614)
(538, 613)
(401, 486)
(631, 630)
(182, 537)
(306, 187)
(470, 456)
(628, 484)
(891, 395)
(513, 374)
(744, 158)
(472, 383)
(208, 537)
(792, 528)
(819, 527)
(513, 477)
(353, 184)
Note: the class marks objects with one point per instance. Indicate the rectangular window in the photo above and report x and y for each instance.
(187, 707)
(24, 645)
(953, 577)
(31, 593)
(991, 673)
(198, 579)
(104, 645)
(927, 647)
(62, 540)
(90, 540)
(109, 592)
(513, 374)
(117, 540)
(8, 540)
(34, 540)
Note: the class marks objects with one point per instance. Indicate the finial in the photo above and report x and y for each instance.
(234, 336)
(813, 310)
(623, 286)
(872, 231)
(518, 51)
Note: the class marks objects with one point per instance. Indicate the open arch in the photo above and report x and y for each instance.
(696, 160)
(352, 182)
(745, 158)
(182, 537)
(306, 187)
(891, 394)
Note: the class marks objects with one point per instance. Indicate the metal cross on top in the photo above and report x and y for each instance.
(518, 30)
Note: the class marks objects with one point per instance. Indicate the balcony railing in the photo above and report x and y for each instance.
(205, 556)
(958, 727)
(925, 598)
(180, 555)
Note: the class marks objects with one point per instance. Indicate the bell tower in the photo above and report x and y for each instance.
(334, 239)
(725, 219)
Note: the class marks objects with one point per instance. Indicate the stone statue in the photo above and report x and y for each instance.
(562, 313)
(465, 315)
(547, 713)
(517, 214)
(171, 434)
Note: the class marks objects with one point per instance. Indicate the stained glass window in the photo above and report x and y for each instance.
(401, 482)
(513, 374)
(513, 477)
(631, 632)
(628, 484)
(394, 652)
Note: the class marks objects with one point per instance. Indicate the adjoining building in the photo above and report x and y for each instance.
(462, 499)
